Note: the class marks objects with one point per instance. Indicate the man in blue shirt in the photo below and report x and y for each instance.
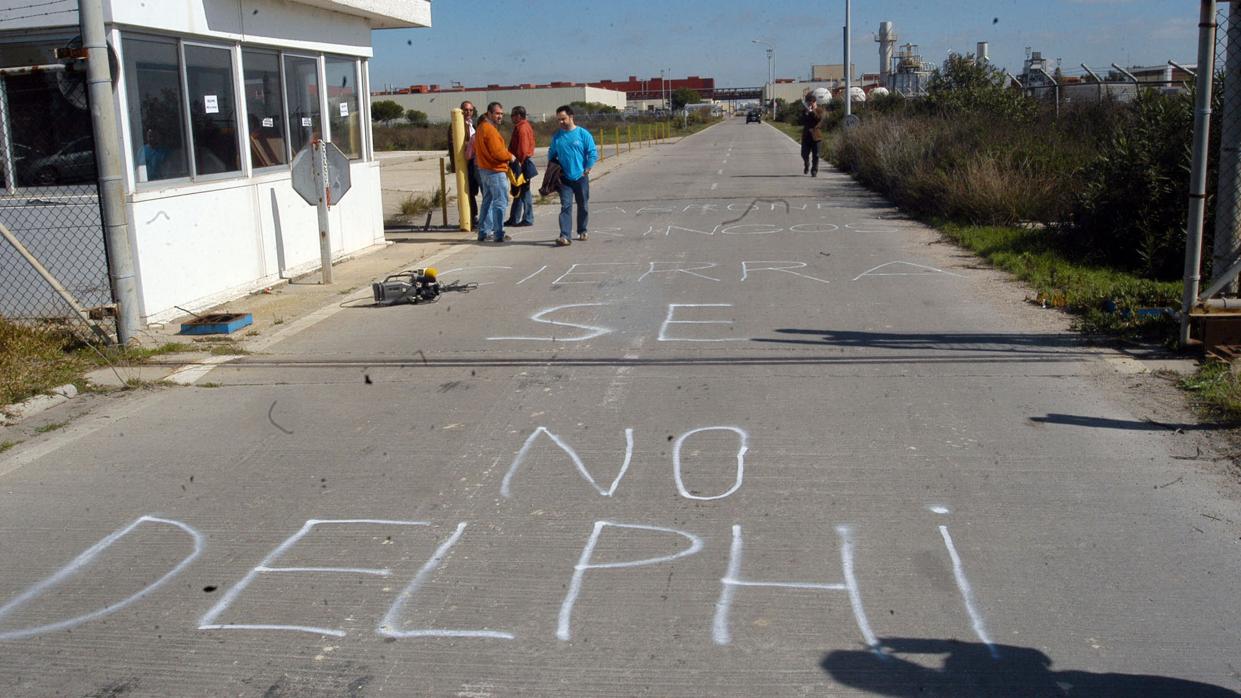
(574, 148)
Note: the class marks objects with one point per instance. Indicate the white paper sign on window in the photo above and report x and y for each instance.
(269, 122)
(211, 104)
(306, 121)
(344, 109)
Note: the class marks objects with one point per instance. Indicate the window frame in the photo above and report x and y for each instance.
(357, 82)
(238, 113)
(284, 109)
(237, 51)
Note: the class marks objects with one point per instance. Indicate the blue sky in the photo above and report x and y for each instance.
(518, 41)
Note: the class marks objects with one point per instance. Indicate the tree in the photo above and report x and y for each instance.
(684, 95)
(963, 86)
(416, 118)
(386, 110)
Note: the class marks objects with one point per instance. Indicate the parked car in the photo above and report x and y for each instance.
(755, 116)
(72, 164)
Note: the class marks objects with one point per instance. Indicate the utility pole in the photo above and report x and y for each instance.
(848, 58)
(108, 161)
(1198, 166)
(771, 73)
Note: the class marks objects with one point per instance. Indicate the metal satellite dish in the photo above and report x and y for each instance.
(71, 82)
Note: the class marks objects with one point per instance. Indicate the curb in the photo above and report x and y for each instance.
(19, 412)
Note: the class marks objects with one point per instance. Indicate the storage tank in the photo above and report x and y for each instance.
(983, 55)
(879, 92)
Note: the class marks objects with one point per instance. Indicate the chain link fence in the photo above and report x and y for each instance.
(1223, 220)
(49, 201)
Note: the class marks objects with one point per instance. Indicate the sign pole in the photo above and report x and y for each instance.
(325, 223)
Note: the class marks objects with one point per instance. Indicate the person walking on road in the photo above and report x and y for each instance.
(492, 160)
(811, 121)
(574, 149)
(521, 145)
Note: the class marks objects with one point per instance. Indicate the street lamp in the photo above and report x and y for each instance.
(771, 75)
(848, 59)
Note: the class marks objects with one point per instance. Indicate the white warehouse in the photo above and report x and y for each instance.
(215, 97)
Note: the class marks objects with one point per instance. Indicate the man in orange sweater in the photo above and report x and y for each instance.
(521, 145)
(492, 159)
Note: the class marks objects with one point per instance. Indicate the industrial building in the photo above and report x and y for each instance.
(540, 100)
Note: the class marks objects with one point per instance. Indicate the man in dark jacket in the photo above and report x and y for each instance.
(811, 121)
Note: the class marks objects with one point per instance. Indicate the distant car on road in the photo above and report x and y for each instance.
(755, 116)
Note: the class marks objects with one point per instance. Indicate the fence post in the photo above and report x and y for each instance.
(1227, 210)
(1198, 168)
(618, 141)
(108, 161)
(603, 144)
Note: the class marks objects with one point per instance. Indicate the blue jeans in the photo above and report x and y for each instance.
(495, 200)
(523, 206)
(569, 192)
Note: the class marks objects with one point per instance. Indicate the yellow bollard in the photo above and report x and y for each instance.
(618, 141)
(628, 139)
(603, 144)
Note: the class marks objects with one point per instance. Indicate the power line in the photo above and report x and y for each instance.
(35, 14)
(45, 3)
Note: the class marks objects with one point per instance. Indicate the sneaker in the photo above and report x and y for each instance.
(563, 242)
(581, 235)
(815, 173)
(503, 238)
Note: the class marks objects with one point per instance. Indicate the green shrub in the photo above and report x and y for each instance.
(416, 118)
(1131, 209)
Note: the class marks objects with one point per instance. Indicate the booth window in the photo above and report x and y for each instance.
(342, 105)
(156, 115)
(213, 109)
(301, 79)
(265, 108)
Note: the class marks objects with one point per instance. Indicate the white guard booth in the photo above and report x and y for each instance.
(215, 98)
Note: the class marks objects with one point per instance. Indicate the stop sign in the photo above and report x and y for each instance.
(310, 178)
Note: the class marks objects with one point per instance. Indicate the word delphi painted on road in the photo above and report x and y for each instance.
(634, 539)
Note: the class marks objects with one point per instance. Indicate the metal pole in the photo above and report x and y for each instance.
(848, 54)
(459, 165)
(1198, 168)
(1097, 81)
(1056, 84)
(1131, 76)
(325, 221)
(112, 202)
(6, 132)
(1227, 247)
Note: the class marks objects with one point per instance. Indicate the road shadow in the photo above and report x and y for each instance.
(975, 670)
(1061, 345)
(1074, 420)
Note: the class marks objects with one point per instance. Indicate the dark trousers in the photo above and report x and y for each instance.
(475, 186)
(809, 150)
(578, 191)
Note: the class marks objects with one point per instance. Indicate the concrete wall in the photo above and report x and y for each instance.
(540, 103)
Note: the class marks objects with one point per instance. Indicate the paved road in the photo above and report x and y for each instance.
(758, 436)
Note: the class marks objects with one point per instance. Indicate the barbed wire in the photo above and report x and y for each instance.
(31, 6)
